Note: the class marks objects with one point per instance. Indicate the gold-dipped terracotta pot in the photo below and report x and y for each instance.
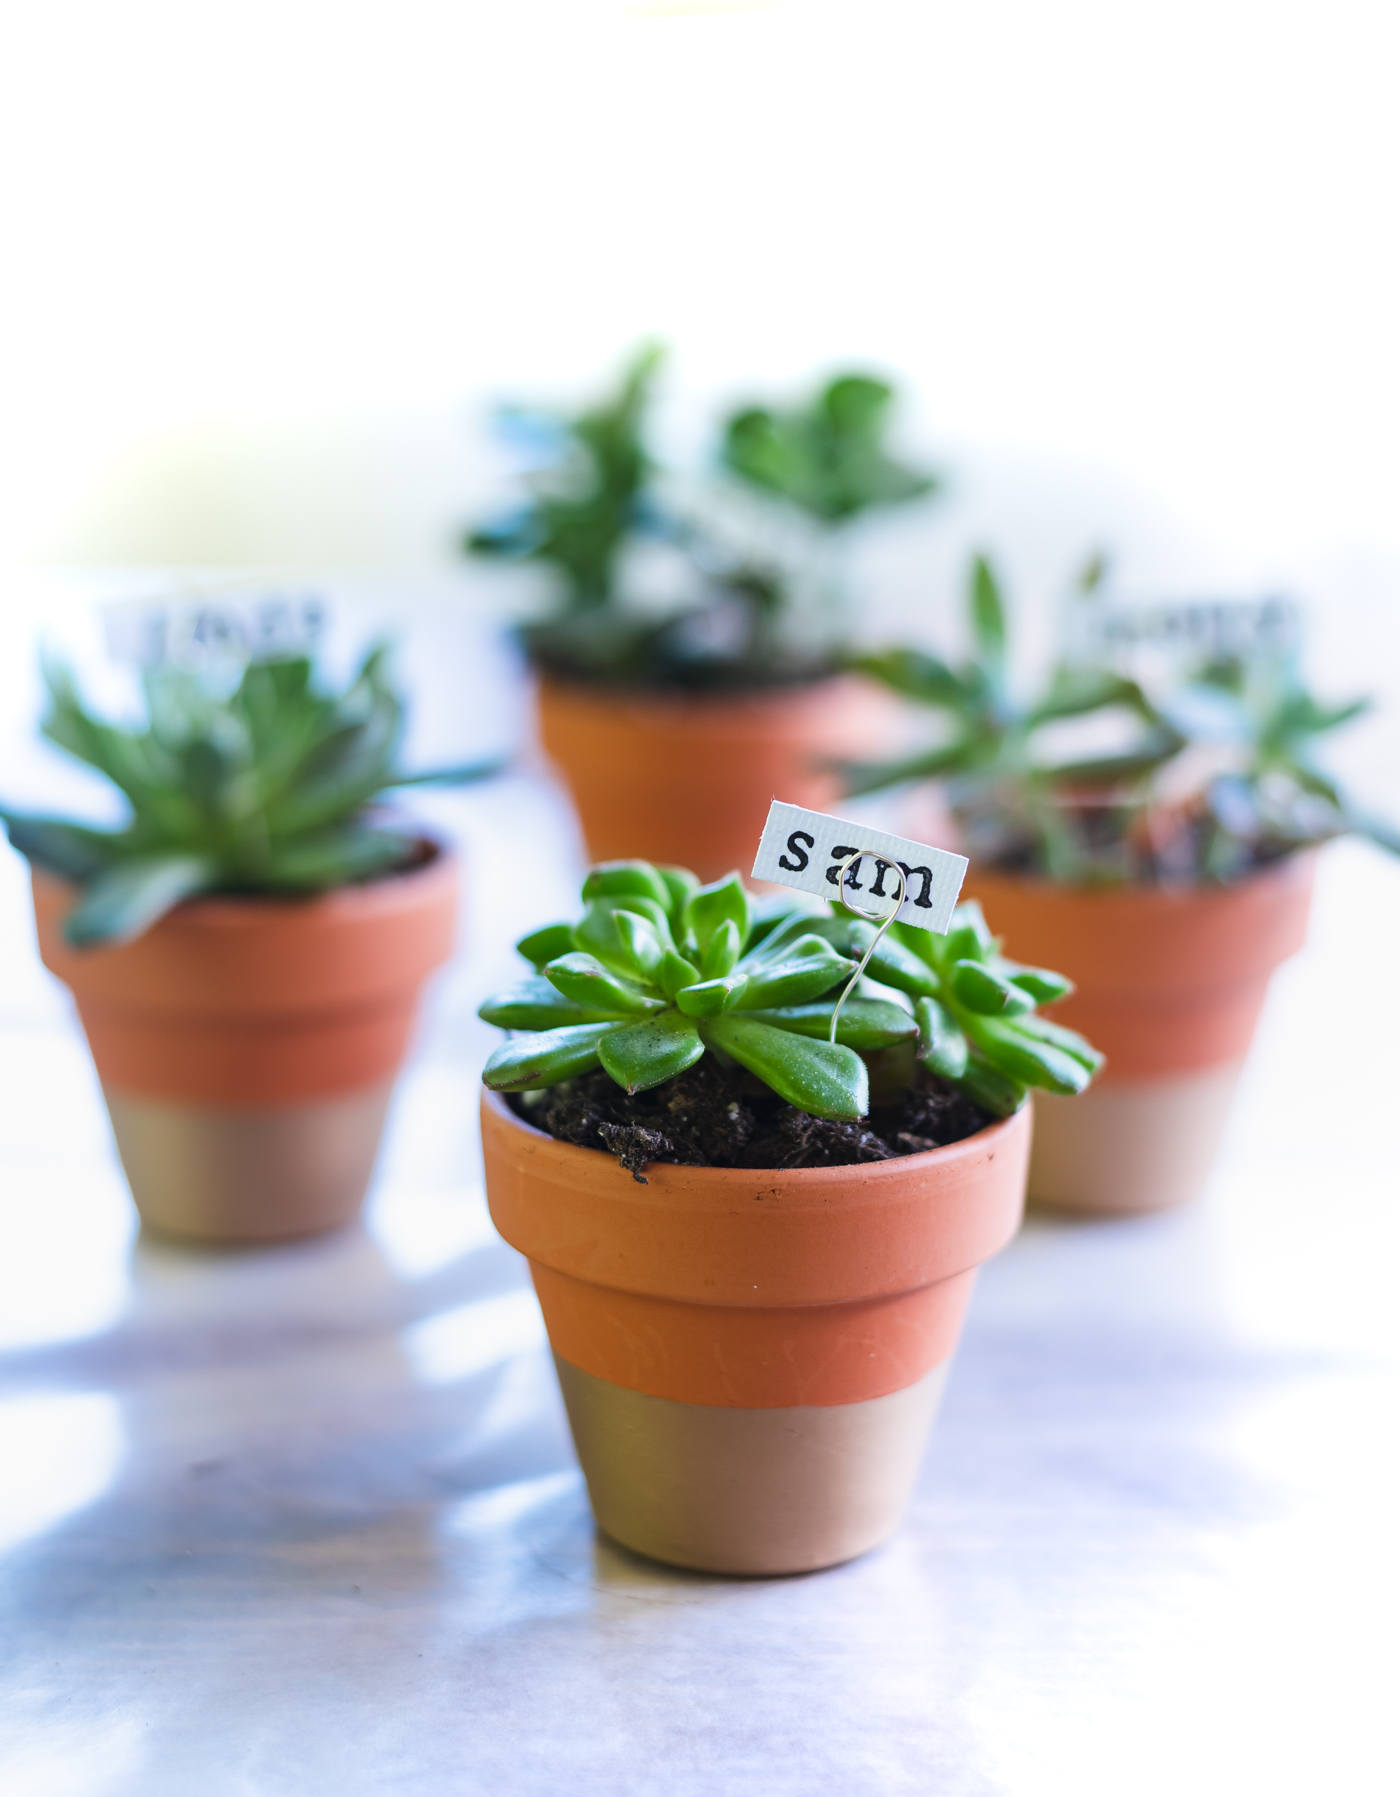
(247, 1047)
(751, 1361)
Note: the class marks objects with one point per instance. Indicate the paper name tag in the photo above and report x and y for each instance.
(194, 629)
(805, 849)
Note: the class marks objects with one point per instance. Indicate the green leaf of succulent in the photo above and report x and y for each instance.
(968, 937)
(722, 954)
(709, 907)
(864, 1024)
(942, 1045)
(1056, 1035)
(675, 973)
(643, 1055)
(1044, 987)
(707, 998)
(337, 857)
(988, 615)
(825, 1078)
(599, 932)
(129, 897)
(989, 995)
(644, 950)
(993, 1090)
(534, 1004)
(525, 1063)
(1021, 1057)
(627, 879)
(680, 883)
(68, 850)
(543, 946)
(810, 968)
(585, 980)
(893, 964)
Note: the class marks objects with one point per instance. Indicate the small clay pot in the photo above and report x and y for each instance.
(687, 780)
(751, 1360)
(1169, 985)
(247, 1047)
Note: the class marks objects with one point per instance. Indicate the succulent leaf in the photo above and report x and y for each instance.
(807, 970)
(1022, 1058)
(543, 946)
(627, 879)
(995, 1091)
(723, 951)
(643, 1055)
(707, 998)
(987, 993)
(942, 1045)
(585, 980)
(527, 1062)
(709, 907)
(864, 1023)
(824, 1078)
(536, 1005)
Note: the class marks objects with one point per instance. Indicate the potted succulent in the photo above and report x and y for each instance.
(1168, 870)
(674, 728)
(753, 1213)
(246, 953)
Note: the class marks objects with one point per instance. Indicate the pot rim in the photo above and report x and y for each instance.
(213, 908)
(661, 698)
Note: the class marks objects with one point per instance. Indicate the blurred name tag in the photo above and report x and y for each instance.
(197, 629)
(805, 849)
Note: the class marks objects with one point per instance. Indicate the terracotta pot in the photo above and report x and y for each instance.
(687, 781)
(247, 1047)
(751, 1361)
(1170, 983)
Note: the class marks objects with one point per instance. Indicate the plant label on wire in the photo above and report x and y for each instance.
(805, 850)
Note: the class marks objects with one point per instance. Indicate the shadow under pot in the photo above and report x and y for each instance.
(247, 1047)
(751, 1361)
(686, 780)
(1169, 984)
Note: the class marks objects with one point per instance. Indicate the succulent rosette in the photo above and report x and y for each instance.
(660, 971)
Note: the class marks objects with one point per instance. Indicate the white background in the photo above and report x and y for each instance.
(270, 261)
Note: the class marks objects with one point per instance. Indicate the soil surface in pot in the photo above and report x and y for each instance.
(716, 1116)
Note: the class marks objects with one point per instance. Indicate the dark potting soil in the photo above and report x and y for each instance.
(716, 1116)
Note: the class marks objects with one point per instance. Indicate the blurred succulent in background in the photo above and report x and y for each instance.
(265, 789)
(595, 492)
(1201, 776)
(587, 493)
(660, 970)
(827, 456)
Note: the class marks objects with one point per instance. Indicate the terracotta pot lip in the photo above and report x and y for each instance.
(1185, 893)
(682, 698)
(866, 1171)
(440, 864)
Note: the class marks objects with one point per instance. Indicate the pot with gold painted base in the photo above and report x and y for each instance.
(1169, 984)
(751, 1360)
(247, 1047)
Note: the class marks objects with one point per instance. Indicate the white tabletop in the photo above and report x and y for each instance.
(307, 1520)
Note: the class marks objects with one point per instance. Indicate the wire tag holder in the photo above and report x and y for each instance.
(870, 917)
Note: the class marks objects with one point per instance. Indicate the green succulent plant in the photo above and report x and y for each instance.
(594, 488)
(827, 456)
(1212, 772)
(660, 971)
(588, 497)
(262, 790)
